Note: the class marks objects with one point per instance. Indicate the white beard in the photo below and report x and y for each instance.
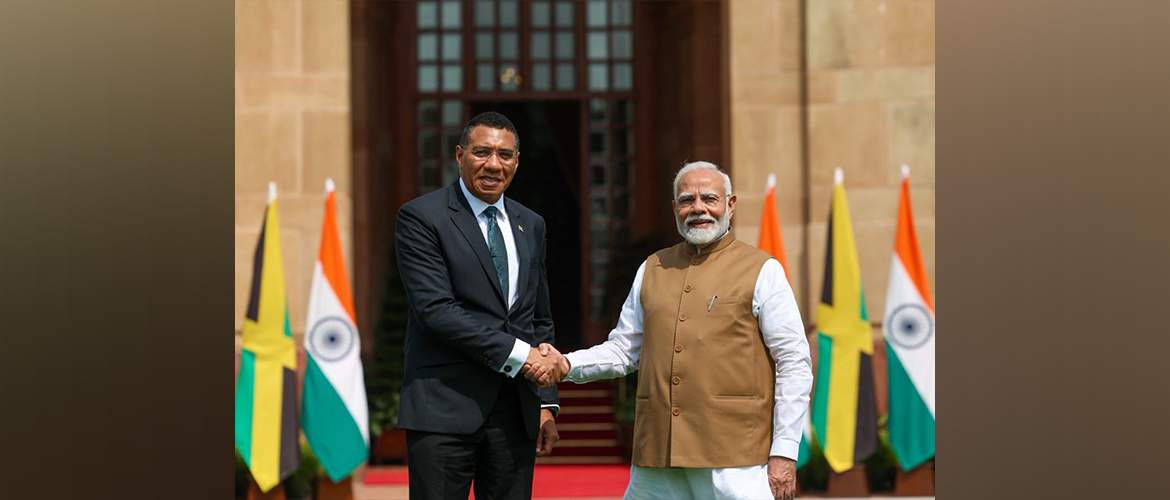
(703, 236)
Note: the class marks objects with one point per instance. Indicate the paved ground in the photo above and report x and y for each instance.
(363, 492)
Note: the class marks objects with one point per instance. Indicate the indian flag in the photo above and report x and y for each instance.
(334, 412)
(770, 241)
(844, 409)
(909, 332)
(266, 414)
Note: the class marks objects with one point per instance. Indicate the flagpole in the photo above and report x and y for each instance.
(905, 171)
(329, 187)
(271, 192)
(838, 176)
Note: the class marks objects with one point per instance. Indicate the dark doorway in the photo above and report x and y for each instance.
(548, 181)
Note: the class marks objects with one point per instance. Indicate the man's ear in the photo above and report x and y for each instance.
(731, 205)
(458, 154)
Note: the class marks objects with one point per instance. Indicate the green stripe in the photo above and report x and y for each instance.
(330, 429)
(820, 398)
(803, 453)
(911, 425)
(244, 388)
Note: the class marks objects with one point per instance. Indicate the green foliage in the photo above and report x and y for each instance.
(881, 467)
(301, 484)
(384, 373)
(625, 408)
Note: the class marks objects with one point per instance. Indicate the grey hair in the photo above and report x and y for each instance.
(689, 167)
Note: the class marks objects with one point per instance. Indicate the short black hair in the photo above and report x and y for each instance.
(489, 119)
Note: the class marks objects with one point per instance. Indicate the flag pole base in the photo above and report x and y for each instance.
(851, 483)
(915, 482)
(254, 493)
(329, 490)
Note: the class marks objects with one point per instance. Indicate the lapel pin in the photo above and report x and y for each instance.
(521, 227)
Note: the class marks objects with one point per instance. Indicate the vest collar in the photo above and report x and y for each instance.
(718, 245)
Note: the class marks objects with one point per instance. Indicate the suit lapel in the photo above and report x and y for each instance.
(523, 249)
(466, 223)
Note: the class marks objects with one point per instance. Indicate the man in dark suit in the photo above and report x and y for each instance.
(472, 264)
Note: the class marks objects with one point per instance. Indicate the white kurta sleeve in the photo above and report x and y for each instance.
(775, 305)
(618, 355)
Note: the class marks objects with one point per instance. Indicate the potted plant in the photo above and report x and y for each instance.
(384, 373)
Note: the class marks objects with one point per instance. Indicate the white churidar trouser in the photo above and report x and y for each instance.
(730, 483)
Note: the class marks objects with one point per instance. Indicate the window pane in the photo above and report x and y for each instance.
(485, 77)
(621, 174)
(428, 143)
(509, 78)
(623, 76)
(595, 13)
(620, 14)
(623, 45)
(450, 140)
(541, 76)
(564, 14)
(452, 46)
(428, 14)
(597, 174)
(483, 46)
(540, 14)
(428, 113)
(452, 113)
(428, 46)
(598, 77)
(597, 111)
(623, 111)
(599, 238)
(509, 45)
(485, 13)
(621, 207)
(428, 78)
(428, 174)
(566, 77)
(509, 14)
(452, 78)
(623, 143)
(595, 48)
(540, 45)
(599, 211)
(450, 172)
(565, 45)
(452, 10)
(597, 142)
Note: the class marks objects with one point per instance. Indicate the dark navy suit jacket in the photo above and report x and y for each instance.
(460, 330)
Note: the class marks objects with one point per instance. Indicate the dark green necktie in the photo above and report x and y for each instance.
(498, 250)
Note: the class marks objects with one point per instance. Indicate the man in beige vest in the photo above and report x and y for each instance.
(725, 369)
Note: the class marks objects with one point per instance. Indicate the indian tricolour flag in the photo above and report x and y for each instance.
(909, 331)
(334, 414)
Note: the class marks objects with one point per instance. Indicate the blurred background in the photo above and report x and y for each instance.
(609, 98)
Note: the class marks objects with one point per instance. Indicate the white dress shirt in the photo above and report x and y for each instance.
(783, 330)
(520, 350)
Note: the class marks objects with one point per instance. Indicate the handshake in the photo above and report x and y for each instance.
(545, 365)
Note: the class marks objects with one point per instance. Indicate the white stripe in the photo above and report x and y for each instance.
(919, 361)
(344, 374)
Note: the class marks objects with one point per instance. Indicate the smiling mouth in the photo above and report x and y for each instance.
(490, 181)
(699, 223)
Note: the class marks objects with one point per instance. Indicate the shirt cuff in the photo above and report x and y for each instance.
(785, 448)
(574, 374)
(556, 409)
(516, 359)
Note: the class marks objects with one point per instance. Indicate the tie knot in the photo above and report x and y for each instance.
(490, 212)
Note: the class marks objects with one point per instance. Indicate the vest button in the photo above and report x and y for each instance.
(695, 261)
(678, 348)
(675, 380)
(675, 412)
(682, 317)
(687, 288)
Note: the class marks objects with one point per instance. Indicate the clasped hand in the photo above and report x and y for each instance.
(545, 366)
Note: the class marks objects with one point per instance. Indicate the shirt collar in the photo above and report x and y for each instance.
(478, 205)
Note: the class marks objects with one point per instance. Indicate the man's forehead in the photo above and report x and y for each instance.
(700, 182)
(499, 137)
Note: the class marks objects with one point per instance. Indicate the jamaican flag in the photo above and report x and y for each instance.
(844, 411)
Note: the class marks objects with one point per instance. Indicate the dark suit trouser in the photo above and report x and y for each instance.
(499, 457)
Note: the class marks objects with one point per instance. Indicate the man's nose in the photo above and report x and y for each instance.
(699, 208)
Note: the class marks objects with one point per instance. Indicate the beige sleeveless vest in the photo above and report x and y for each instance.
(706, 380)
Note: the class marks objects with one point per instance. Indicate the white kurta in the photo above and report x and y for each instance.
(774, 306)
